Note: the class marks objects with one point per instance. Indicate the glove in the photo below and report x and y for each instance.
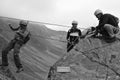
(95, 32)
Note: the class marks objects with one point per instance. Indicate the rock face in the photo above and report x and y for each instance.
(6, 74)
(42, 51)
(91, 59)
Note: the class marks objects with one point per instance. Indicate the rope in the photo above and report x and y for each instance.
(42, 22)
(49, 74)
(57, 39)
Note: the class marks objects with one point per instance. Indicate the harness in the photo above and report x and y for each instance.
(21, 35)
(73, 36)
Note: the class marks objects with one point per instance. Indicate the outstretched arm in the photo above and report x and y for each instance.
(68, 35)
(14, 29)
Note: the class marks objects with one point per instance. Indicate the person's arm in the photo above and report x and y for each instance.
(103, 22)
(80, 33)
(14, 29)
(68, 35)
(27, 38)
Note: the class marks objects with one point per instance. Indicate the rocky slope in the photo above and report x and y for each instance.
(41, 52)
(91, 59)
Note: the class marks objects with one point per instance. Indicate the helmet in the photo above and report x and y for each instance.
(23, 22)
(74, 22)
(98, 11)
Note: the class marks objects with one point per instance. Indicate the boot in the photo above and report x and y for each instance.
(3, 67)
(19, 70)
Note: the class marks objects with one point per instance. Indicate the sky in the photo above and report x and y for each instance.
(61, 12)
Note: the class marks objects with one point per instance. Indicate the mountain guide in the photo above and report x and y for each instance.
(108, 25)
(73, 36)
(22, 36)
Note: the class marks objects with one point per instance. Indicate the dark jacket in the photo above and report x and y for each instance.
(20, 36)
(73, 38)
(107, 19)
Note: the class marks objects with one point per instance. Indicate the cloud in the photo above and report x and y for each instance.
(22, 8)
(58, 11)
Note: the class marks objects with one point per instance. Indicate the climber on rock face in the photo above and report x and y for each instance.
(108, 24)
(73, 36)
(22, 36)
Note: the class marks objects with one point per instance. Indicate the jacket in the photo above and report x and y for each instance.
(73, 35)
(21, 36)
(107, 19)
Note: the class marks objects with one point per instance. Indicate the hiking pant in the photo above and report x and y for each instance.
(15, 45)
(110, 30)
(70, 45)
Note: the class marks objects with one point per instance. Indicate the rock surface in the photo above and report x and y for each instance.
(91, 59)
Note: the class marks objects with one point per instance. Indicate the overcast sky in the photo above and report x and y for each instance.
(59, 11)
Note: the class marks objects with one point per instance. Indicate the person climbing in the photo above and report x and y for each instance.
(108, 24)
(22, 36)
(73, 36)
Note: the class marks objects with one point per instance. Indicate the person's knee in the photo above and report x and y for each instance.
(108, 26)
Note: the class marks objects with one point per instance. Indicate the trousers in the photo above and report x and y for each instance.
(109, 30)
(15, 45)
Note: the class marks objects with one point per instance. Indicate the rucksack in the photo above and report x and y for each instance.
(117, 20)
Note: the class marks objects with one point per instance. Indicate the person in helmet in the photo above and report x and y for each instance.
(22, 25)
(108, 24)
(22, 36)
(73, 36)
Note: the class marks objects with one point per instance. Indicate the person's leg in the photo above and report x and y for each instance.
(5, 51)
(110, 30)
(16, 55)
(69, 47)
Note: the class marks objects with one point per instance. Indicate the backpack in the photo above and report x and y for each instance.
(117, 20)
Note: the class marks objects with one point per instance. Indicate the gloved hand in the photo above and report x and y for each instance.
(95, 32)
